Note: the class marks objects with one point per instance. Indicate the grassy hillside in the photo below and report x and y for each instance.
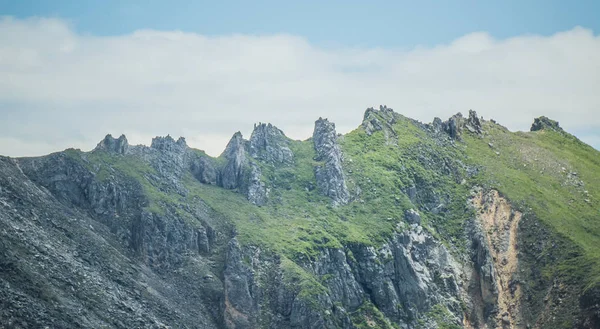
(553, 175)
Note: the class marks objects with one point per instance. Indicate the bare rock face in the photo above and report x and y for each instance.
(169, 158)
(257, 190)
(82, 273)
(412, 216)
(330, 176)
(269, 144)
(240, 303)
(235, 153)
(203, 170)
(495, 255)
(113, 145)
(170, 150)
(408, 275)
(241, 173)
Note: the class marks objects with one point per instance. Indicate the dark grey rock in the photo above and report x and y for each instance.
(457, 123)
(473, 123)
(203, 169)
(453, 127)
(543, 122)
(437, 125)
(412, 216)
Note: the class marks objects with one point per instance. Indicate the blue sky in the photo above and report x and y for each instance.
(205, 69)
(325, 23)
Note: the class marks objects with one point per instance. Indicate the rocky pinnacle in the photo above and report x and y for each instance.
(330, 176)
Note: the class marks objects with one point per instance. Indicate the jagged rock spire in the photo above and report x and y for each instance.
(241, 173)
(236, 159)
(268, 143)
(456, 123)
(473, 123)
(113, 145)
(167, 143)
(330, 176)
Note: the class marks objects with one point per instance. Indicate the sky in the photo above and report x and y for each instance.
(73, 71)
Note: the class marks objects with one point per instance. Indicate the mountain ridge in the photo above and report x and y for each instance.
(337, 230)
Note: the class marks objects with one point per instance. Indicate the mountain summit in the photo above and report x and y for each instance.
(397, 224)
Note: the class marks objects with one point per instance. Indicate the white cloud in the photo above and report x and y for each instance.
(59, 88)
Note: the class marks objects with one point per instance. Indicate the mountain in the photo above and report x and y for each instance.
(397, 224)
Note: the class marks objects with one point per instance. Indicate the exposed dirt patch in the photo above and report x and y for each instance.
(232, 315)
(500, 222)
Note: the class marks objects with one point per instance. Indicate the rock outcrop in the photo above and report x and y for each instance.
(241, 173)
(543, 122)
(410, 275)
(377, 120)
(170, 149)
(232, 175)
(257, 190)
(113, 145)
(457, 123)
(330, 176)
(473, 123)
(270, 145)
(204, 170)
(453, 127)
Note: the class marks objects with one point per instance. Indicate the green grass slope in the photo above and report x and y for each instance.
(553, 175)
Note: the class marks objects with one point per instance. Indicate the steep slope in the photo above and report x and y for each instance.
(397, 224)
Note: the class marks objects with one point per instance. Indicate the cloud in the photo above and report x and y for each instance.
(61, 89)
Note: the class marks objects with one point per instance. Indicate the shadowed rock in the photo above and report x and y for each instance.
(204, 171)
(457, 123)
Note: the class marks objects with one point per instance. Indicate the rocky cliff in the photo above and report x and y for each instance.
(397, 224)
